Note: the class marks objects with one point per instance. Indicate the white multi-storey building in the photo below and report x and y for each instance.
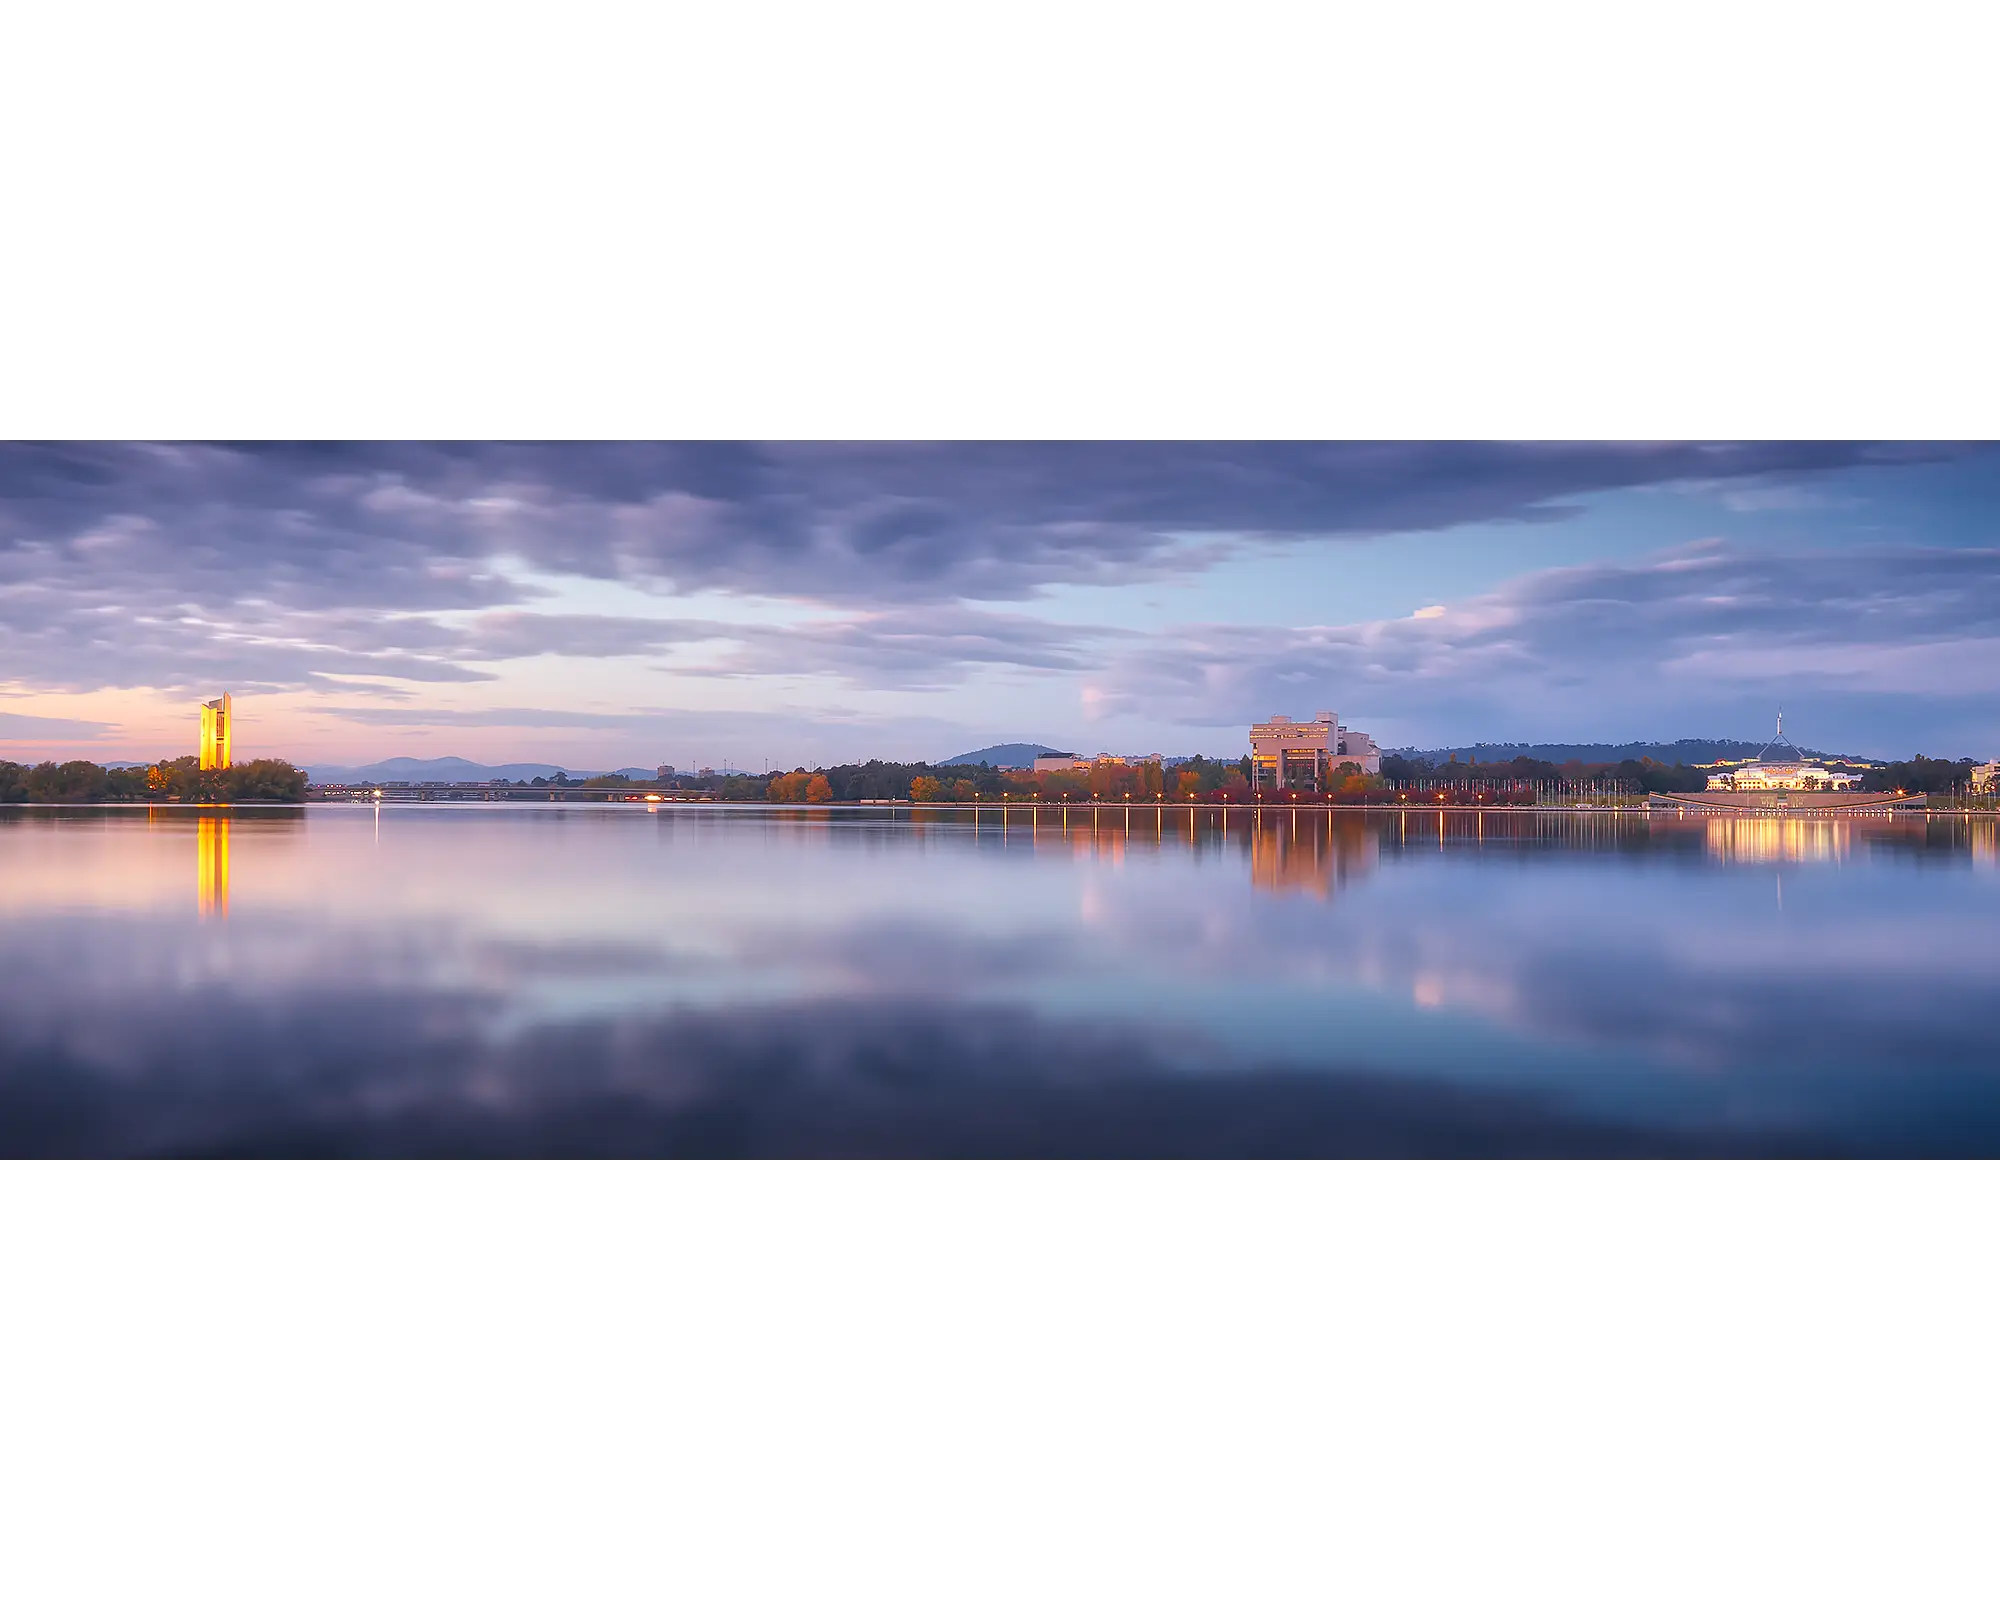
(1780, 775)
(1307, 755)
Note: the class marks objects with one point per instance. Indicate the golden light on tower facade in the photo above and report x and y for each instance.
(216, 720)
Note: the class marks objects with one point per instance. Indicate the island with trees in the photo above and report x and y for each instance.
(176, 781)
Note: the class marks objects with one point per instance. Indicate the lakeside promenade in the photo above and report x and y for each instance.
(1694, 805)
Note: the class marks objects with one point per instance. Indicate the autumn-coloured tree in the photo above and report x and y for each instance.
(925, 790)
(1187, 785)
(964, 789)
(790, 788)
(1111, 780)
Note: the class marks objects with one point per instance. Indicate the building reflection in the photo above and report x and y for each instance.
(1289, 850)
(1778, 839)
(1312, 849)
(1310, 854)
(211, 846)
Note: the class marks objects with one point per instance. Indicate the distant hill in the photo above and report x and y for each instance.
(1692, 752)
(455, 769)
(1002, 755)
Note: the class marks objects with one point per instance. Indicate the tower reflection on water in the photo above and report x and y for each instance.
(211, 846)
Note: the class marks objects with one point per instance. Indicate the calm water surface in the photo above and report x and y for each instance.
(708, 981)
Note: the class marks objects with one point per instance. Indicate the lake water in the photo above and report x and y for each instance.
(619, 980)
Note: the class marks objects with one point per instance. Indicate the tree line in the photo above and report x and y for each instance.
(1205, 779)
(1919, 775)
(180, 779)
(1643, 776)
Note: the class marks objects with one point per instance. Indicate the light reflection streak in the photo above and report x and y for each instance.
(1759, 839)
(212, 866)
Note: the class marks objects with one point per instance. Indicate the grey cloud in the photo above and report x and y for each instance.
(89, 641)
(414, 525)
(18, 725)
(909, 647)
(508, 635)
(1707, 616)
(582, 739)
(912, 648)
(175, 564)
(498, 717)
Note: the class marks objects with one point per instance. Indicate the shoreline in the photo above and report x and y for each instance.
(1637, 808)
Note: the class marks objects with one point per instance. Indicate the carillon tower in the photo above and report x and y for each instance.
(215, 731)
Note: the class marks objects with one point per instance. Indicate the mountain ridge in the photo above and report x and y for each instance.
(1001, 755)
(456, 769)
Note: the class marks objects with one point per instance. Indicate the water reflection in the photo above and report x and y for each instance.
(1310, 854)
(212, 866)
(1776, 839)
(494, 979)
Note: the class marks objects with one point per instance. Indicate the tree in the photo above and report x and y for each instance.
(85, 783)
(964, 789)
(50, 784)
(1676, 779)
(264, 780)
(1110, 780)
(1920, 775)
(800, 787)
(925, 790)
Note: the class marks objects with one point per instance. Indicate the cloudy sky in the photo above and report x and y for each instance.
(613, 604)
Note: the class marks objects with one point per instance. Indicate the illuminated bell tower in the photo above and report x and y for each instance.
(215, 731)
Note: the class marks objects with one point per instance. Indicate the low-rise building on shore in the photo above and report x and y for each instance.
(1781, 775)
(1307, 755)
(1798, 773)
(1069, 761)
